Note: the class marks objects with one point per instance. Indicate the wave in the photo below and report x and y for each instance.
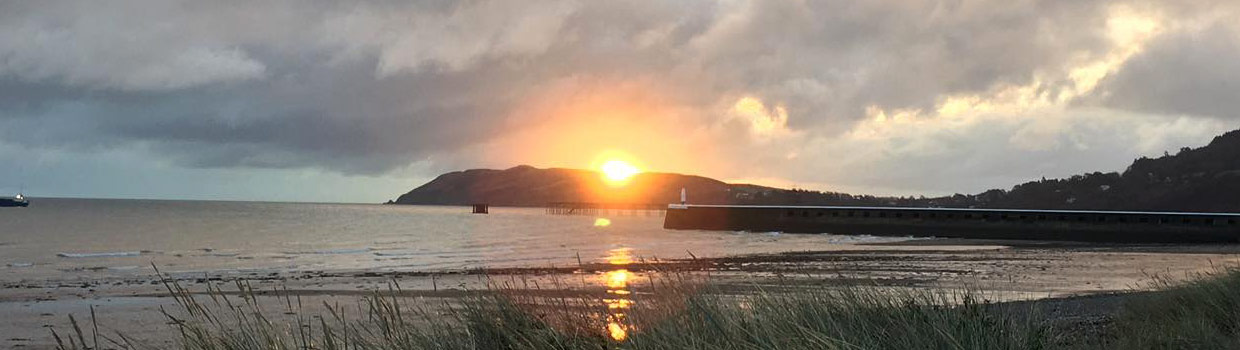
(100, 268)
(402, 253)
(99, 255)
(333, 251)
(850, 239)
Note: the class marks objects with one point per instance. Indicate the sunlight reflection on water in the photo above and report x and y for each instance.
(617, 282)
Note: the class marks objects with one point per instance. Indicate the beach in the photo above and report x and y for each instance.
(998, 270)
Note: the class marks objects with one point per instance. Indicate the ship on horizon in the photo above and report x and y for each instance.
(16, 201)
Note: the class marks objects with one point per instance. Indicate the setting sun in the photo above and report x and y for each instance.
(618, 171)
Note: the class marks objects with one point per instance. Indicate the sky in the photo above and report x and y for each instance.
(361, 101)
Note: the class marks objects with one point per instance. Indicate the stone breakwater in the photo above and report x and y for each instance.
(1008, 224)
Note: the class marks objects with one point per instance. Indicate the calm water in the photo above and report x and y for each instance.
(84, 238)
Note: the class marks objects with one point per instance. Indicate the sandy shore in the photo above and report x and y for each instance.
(1003, 270)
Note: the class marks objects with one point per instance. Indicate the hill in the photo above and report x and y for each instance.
(529, 186)
(1201, 179)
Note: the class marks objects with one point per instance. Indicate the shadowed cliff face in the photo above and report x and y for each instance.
(528, 186)
(1200, 179)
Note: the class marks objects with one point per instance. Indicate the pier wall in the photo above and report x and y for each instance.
(1059, 225)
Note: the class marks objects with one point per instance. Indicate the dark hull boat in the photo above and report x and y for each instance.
(19, 201)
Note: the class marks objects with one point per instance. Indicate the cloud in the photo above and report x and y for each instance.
(116, 46)
(904, 96)
(763, 122)
(1194, 72)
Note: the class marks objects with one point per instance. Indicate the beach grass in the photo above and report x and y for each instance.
(1201, 314)
(678, 313)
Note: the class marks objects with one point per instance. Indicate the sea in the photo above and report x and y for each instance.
(96, 238)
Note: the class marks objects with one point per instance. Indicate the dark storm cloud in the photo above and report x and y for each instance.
(341, 119)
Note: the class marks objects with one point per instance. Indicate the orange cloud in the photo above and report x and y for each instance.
(763, 121)
(580, 124)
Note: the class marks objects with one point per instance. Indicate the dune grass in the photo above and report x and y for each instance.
(683, 315)
(1202, 314)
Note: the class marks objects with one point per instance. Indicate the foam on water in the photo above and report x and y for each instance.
(853, 239)
(99, 254)
(402, 253)
(332, 251)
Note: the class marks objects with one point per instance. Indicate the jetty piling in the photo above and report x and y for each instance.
(604, 209)
(482, 208)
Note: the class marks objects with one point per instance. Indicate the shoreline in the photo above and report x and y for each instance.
(1011, 271)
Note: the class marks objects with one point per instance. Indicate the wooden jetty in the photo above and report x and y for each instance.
(594, 209)
(1017, 224)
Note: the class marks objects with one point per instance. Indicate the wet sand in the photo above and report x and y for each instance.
(1002, 270)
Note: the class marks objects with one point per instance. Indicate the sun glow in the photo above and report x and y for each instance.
(618, 171)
